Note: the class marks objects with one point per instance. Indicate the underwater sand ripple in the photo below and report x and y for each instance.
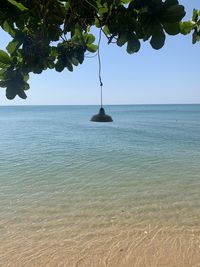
(166, 246)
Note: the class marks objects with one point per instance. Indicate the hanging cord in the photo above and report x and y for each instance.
(99, 60)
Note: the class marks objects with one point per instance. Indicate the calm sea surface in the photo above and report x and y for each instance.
(64, 176)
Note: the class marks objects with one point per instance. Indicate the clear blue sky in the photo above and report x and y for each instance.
(170, 75)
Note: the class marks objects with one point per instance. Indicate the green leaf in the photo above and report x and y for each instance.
(74, 61)
(18, 5)
(174, 13)
(122, 39)
(133, 45)
(10, 93)
(80, 56)
(26, 77)
(106, 30)
(69, 66)
(195, 36)
(187, 26)
(79, 34)
(97, 23)
(4, 58)
(26, 86)
(38, 69)
(2, 73)
(169, 3)
(3, 84)
(2, 65)
(13, 46)
(172, 28)
(22, 94)
(59, 66)
(195, 15)
(8, 28)
(92, 48)
(126, 1)
(103, 9)
(90, 38)
(158, 37)
(50, 65)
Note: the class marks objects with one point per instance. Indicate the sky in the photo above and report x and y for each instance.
(167, 76)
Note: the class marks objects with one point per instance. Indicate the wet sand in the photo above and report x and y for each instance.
(149, 247)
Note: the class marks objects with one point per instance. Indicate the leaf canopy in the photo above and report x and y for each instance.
(56, 34)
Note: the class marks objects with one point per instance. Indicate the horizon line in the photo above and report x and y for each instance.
(139, 104)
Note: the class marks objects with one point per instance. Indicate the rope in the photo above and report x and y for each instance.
(99, 60)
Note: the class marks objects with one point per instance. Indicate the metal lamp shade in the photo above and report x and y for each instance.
(101, 116)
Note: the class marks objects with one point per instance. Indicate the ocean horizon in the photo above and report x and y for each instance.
(96, 105)
(79, 193)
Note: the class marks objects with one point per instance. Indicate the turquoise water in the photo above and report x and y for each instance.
(62, 175)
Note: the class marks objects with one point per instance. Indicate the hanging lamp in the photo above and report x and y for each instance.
(101, 116)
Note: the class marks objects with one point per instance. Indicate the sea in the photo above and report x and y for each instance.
(67, 183)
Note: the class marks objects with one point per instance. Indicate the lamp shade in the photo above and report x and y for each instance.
(101, 116)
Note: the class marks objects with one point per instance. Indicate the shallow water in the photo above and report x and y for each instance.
(77, 193)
